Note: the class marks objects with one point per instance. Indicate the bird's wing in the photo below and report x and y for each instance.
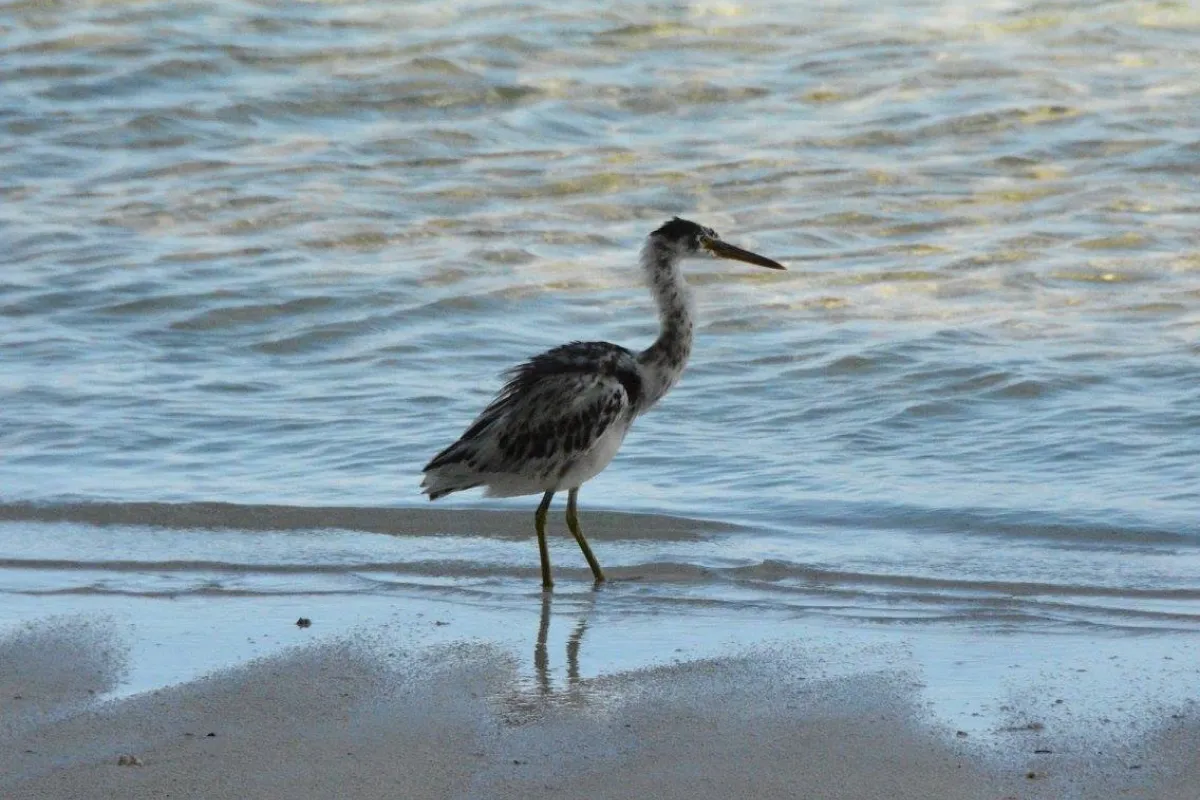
(555, 405)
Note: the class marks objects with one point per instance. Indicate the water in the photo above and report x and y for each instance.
(267, 254)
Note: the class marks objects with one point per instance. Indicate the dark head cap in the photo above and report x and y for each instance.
(685, 232)
(688, 238)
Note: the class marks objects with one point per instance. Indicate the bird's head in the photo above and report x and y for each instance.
(689, 239)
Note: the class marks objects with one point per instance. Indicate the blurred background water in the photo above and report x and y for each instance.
(267, 252)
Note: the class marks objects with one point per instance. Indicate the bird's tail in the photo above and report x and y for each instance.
(444, 476)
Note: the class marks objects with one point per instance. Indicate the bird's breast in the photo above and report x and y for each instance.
(589, 464)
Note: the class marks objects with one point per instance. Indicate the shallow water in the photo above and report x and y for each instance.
(278, 254)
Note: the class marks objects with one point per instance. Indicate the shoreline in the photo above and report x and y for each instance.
(434, 666)
(448, 699)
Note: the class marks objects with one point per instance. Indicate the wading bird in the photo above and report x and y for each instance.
(562, 415)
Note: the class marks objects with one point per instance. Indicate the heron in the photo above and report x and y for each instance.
(561, 416)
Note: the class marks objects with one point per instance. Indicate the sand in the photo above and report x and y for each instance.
(427, 521)
(353, 717)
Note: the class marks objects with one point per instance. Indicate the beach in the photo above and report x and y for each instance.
(603, 692)
(919, 520)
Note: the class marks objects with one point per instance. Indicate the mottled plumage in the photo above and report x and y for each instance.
(549, 415)
(561, 416)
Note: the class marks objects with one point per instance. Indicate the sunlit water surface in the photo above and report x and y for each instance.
(263, 253)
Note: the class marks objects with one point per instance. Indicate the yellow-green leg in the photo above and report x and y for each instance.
(539, 522)
(573, 524)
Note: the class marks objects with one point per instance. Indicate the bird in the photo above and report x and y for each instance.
(561, 416)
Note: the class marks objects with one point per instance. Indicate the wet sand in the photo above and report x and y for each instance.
(353, 716)
(424, 521)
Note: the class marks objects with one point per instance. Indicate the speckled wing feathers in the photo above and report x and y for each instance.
(552, 411)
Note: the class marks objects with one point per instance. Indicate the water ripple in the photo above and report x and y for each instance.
(280, 254)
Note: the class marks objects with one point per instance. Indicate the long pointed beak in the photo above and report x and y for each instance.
(726, 250)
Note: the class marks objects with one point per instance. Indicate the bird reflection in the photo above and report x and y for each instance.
(541, 654)
(528, 702)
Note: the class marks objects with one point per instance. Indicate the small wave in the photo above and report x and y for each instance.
(773, 570)
(769, 587)
(773, 576)
(1033, 524)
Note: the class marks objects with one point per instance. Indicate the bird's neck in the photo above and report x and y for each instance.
(662, 362)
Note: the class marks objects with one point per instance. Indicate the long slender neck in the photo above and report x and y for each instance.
(662, 362)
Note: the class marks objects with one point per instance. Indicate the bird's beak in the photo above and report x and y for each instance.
(726, 250)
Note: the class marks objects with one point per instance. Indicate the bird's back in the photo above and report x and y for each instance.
(558, 421)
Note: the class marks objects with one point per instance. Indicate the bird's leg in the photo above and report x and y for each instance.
(573, 524)
(539, 522)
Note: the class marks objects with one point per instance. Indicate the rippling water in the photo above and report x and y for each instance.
(268, 253)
